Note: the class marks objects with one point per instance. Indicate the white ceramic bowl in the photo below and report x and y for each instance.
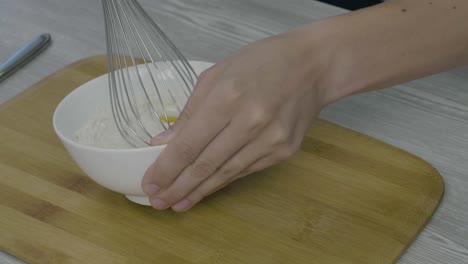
(119, 170)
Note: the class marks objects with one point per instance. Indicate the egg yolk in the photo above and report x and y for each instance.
(171, 119)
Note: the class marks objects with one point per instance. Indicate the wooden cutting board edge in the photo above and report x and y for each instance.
(437, 177)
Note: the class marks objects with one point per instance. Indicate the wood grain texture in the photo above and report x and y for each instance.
(343, 198)
(427, 117)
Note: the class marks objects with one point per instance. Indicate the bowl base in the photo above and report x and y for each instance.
(143, 200)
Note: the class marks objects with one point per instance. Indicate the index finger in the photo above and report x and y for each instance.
(206, 123)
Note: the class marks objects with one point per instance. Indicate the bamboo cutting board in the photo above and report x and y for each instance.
(343, 198)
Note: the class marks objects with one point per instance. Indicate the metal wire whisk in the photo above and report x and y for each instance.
(149, 78)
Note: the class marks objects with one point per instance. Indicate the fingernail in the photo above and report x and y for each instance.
(151, 189)
(158, 203)
(181, 206)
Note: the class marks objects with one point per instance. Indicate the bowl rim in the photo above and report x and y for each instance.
(93, 148)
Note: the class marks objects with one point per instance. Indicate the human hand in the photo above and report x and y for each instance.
(245, 114)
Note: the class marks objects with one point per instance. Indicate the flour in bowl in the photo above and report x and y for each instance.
(101, 131)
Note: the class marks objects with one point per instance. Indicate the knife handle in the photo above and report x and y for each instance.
(25, 54)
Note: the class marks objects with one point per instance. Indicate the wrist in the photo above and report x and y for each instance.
(324, 56)
(313, 59)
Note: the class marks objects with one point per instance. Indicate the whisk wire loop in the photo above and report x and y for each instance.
(149, 78)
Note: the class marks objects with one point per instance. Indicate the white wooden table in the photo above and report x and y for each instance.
(427, 117)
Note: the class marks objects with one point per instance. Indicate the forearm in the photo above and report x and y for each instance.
(391, 43)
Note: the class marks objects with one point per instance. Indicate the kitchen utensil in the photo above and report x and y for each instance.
(135, 43)
(24, 55)
(120, 170)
